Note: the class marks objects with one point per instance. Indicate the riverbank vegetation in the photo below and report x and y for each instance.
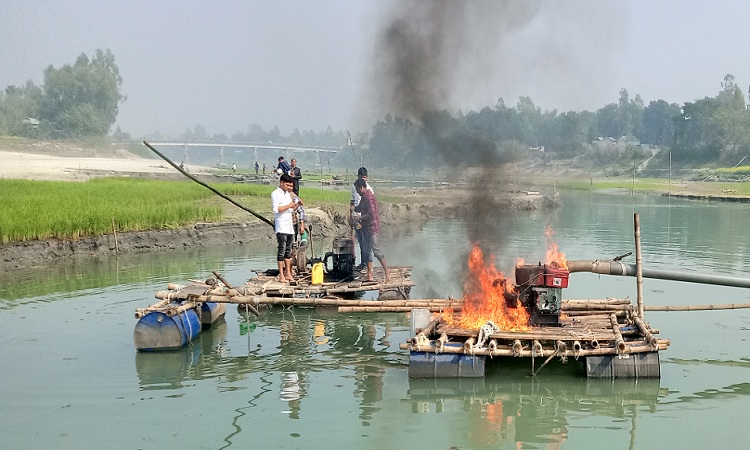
(33, 210)
(81, 100)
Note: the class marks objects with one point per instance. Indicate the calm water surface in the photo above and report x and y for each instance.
(313, 378)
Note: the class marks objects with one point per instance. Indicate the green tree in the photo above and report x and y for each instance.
(17, 106)
(657, 124)
(83, 99)
(731, 119)
(695, 134)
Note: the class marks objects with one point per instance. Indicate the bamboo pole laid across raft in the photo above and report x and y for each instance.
(310, 301)
(712, 307)
(430, 347)
(158, 306)
(388, 308)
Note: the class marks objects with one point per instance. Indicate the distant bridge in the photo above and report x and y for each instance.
(284, 149)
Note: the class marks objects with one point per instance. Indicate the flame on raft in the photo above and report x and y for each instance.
(484, 297)
(485, 289)
(554, 256)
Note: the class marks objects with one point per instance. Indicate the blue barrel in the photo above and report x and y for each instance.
(445, 365)
(157, 331)
(211, 312)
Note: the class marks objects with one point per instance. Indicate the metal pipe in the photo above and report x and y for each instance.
(628, 270)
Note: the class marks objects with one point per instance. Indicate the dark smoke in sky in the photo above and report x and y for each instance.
(425, 54)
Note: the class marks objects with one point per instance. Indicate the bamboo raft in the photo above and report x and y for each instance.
(606, 334)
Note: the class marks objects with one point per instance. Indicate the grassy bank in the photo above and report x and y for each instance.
(69, 210)
(660, 185)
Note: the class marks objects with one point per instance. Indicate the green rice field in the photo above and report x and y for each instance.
(32, 210)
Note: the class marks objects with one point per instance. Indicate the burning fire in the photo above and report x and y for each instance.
(484, 297)
(554, 255)
(486, 288)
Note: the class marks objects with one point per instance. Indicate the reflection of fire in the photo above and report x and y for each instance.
(484, 297)
(554, 255)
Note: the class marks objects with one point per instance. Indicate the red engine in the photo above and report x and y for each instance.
(539, 289)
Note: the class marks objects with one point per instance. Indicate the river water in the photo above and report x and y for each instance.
(313, 378)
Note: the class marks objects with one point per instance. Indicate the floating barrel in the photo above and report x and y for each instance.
(157, 331)
(627, 365)
(211, 312)
(445, 365)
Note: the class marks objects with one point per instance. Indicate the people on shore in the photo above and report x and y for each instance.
(296, 174)
(368, 222)
(257, 167)
(283, 206)
(361, 175)
(234, 169)
(264, 168)
(282, 167)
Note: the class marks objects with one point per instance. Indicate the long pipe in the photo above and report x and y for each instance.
(207, 186)
(628, 270)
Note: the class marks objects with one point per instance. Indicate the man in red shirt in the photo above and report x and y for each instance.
(370, 222)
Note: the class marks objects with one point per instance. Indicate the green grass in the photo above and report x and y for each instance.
(55, 209)
(652, 184)
(33, 210)
(741, 170)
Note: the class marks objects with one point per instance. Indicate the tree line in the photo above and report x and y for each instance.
(75, 100)
(82, 100)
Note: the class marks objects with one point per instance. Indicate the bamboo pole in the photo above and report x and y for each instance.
(430, 348)
(222, 279)
(140, 312)
(650, 338)
(440, 342)
(269, 222)
(638, 263)
(602, 301)
(620, 313)
(619, 341)
(114, 232)
(468, 346)
(181, 309)
(310, 301)
(424, 332)
(375, 309)
(711, 307)
(594, 307)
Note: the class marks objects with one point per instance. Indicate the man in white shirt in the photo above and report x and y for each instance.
(356, 198)
(283, 207)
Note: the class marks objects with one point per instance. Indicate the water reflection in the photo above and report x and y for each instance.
(503, 410)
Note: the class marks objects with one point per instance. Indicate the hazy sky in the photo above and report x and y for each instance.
(312, 64)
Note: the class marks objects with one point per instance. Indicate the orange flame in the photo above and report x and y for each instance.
(554, 256)
(484, 297)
